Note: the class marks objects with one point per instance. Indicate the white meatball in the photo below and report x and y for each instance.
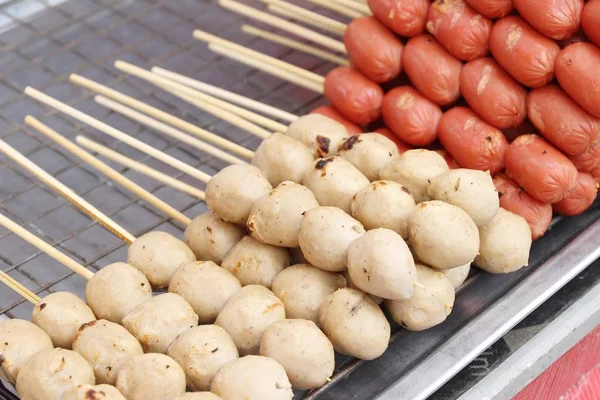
(211, 238)
(232, 192)
(383, 204)
(158, 255)
(355, 324)
(334, 181)
(247, 314)
(198, 396)
(302, 349)
(322, 135)
(19, 341)
(303, 289)
(106, 346)
(60, 315)
(442, 235)
(414, 170)
(256, 263)
(505, 244)
(283, 158)
(275, 217)
(159, 321)
(457, 276)
(471, 190)
(352, 285)
(429, 306)
(206, 286)
(49, 373)
(369, 152)
(91, 392)
(252, 377)
(115, 290)
(151, 377)
(201, 351)
(380, 263)
(325, 236)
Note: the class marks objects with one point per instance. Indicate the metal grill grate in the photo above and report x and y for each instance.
(43, 41)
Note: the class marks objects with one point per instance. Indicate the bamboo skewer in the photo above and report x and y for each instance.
(222, 114)
(160, 115)
(167, 130)
(294, 44)
(307, 16)
(283, 24)
(20, 289)
(338, 8)
(117, 134)
(45, 247)
(177, 87)
(355, 5)
(290, 68)
(260, 65)
(66, 192)
(106, 170)
(139, 167)
(225, 95)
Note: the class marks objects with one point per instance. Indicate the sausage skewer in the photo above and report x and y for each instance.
(309, 17)
(338, 8)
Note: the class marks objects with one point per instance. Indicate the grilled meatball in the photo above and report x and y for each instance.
(368, 152)
(211, 238)
(151, 377)
(322, 135)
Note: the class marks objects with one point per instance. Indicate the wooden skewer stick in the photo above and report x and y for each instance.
(167, 130)
(355, 5)
(139, 167)
(338, 8)
(226, 95)
(66, 192)
(106, 170)
(45, 247)
(161, 115)
(20, 289)
(294, 44)
(290, 68)
(223, 114)
(260, 65)
(117, 134)
(307, 16)
(283, 24)
(165, 83)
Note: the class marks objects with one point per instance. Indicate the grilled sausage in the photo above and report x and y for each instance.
(555, 19)
(492, 93)
(540, 168)
(432, 70)
(492, 8)
(460, 29)
(581, 198)
(406, 18)
(411, 116)
(590, 21)
(525, 54)
(471, 141)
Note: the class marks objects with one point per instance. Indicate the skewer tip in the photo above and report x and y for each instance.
(420, 285)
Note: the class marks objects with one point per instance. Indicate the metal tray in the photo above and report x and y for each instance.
(43, 41)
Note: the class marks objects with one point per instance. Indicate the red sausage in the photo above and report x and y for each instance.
(596, 174)
(561, 121)
(590, 21)
(452, 164)
(334, 114)
(354, 96)
(460, 29)
(492, 8)
(539, 168)
(514, 199)
(406, 18)
(582, 197)
(411, 117)
(373, 49)
(588, 161)
(492, 93)
(557, 19)
(576, 70)
(523, 52)
(471, 141)
(402, 147)
(432, 70)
